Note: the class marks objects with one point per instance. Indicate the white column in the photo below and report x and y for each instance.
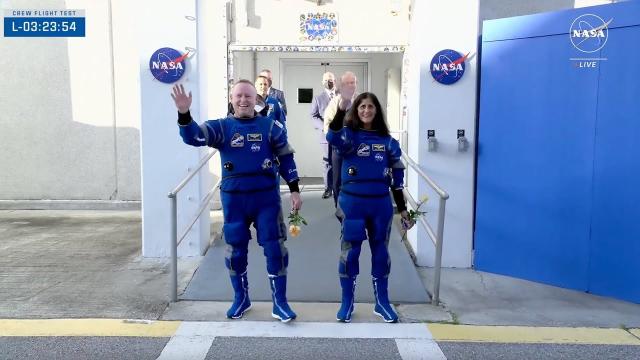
(435, 26)
(166, 160)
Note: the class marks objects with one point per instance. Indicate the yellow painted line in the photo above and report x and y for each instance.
(523, 334)
(635, 332)
(88, 327)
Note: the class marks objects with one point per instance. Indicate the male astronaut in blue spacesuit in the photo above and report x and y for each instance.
(253, 149)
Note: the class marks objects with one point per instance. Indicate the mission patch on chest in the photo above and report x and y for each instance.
(364, 150)
(237, 140)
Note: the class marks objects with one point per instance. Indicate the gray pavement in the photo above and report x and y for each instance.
(87, 264)
(68, 348)
(483, 351)
(313, 265)
(317, 348)
(480, 298)
(81, 264)
(139, 348)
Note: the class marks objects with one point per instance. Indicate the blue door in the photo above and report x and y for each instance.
(614, 267)
(559, 153)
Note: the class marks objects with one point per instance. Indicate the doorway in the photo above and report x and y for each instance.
(302, 80)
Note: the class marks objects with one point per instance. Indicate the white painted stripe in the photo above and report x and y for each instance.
(295, 329)
(414, 349)
(187, 347)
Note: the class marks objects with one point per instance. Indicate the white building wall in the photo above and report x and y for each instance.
(127, 99)
(363, 22)
(66, 137)
(444, 109)
(166, 160)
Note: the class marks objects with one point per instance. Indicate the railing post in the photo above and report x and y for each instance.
(438, 264)
(173, 236)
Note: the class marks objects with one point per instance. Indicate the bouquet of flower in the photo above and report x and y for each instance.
(412, 217)
(295, 222)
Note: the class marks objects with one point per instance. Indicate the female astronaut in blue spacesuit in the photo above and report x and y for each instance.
(370, 167)
(253, 150)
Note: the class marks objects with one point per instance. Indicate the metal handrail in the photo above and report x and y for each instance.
(404, 138)
(175, 240)
(184, 182)
(436, 237)
(203, 206)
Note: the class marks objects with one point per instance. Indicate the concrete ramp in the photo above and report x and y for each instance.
(313, 264)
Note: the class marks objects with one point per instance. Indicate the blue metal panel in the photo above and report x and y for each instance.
(615, 250)
(557, 200)
(536, 138)
(555, 23)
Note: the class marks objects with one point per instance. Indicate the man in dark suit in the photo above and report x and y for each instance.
(273, 92)
(318, 106)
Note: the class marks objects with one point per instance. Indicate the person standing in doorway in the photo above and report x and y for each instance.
(253, 150)
(371, 166)
(272, 106)
(348, 85)
(273, 92)
(318, 106)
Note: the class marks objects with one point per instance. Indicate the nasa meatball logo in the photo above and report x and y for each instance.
(589, 33)
(447, 66)
(167, 65)
(379, 157)
(255, 147)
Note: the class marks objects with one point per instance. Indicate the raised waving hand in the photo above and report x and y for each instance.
(183, 102)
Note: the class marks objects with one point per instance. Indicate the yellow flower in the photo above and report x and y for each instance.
(295, 222)
(412, 216)
(294, 230)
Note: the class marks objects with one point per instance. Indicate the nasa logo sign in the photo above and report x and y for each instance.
(167, 65)
(447, 66)
(589, 33)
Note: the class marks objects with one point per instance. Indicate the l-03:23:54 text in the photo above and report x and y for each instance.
(54, 26)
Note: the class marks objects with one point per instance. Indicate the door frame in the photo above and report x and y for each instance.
(322, 49)
(283, 63)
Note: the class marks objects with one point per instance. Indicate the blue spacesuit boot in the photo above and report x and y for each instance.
(383, 308)
(241, 302)
(348, 285)
(281, 309)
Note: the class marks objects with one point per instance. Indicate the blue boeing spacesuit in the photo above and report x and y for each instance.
(252, 152)
(371, 165)
(275, 110)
